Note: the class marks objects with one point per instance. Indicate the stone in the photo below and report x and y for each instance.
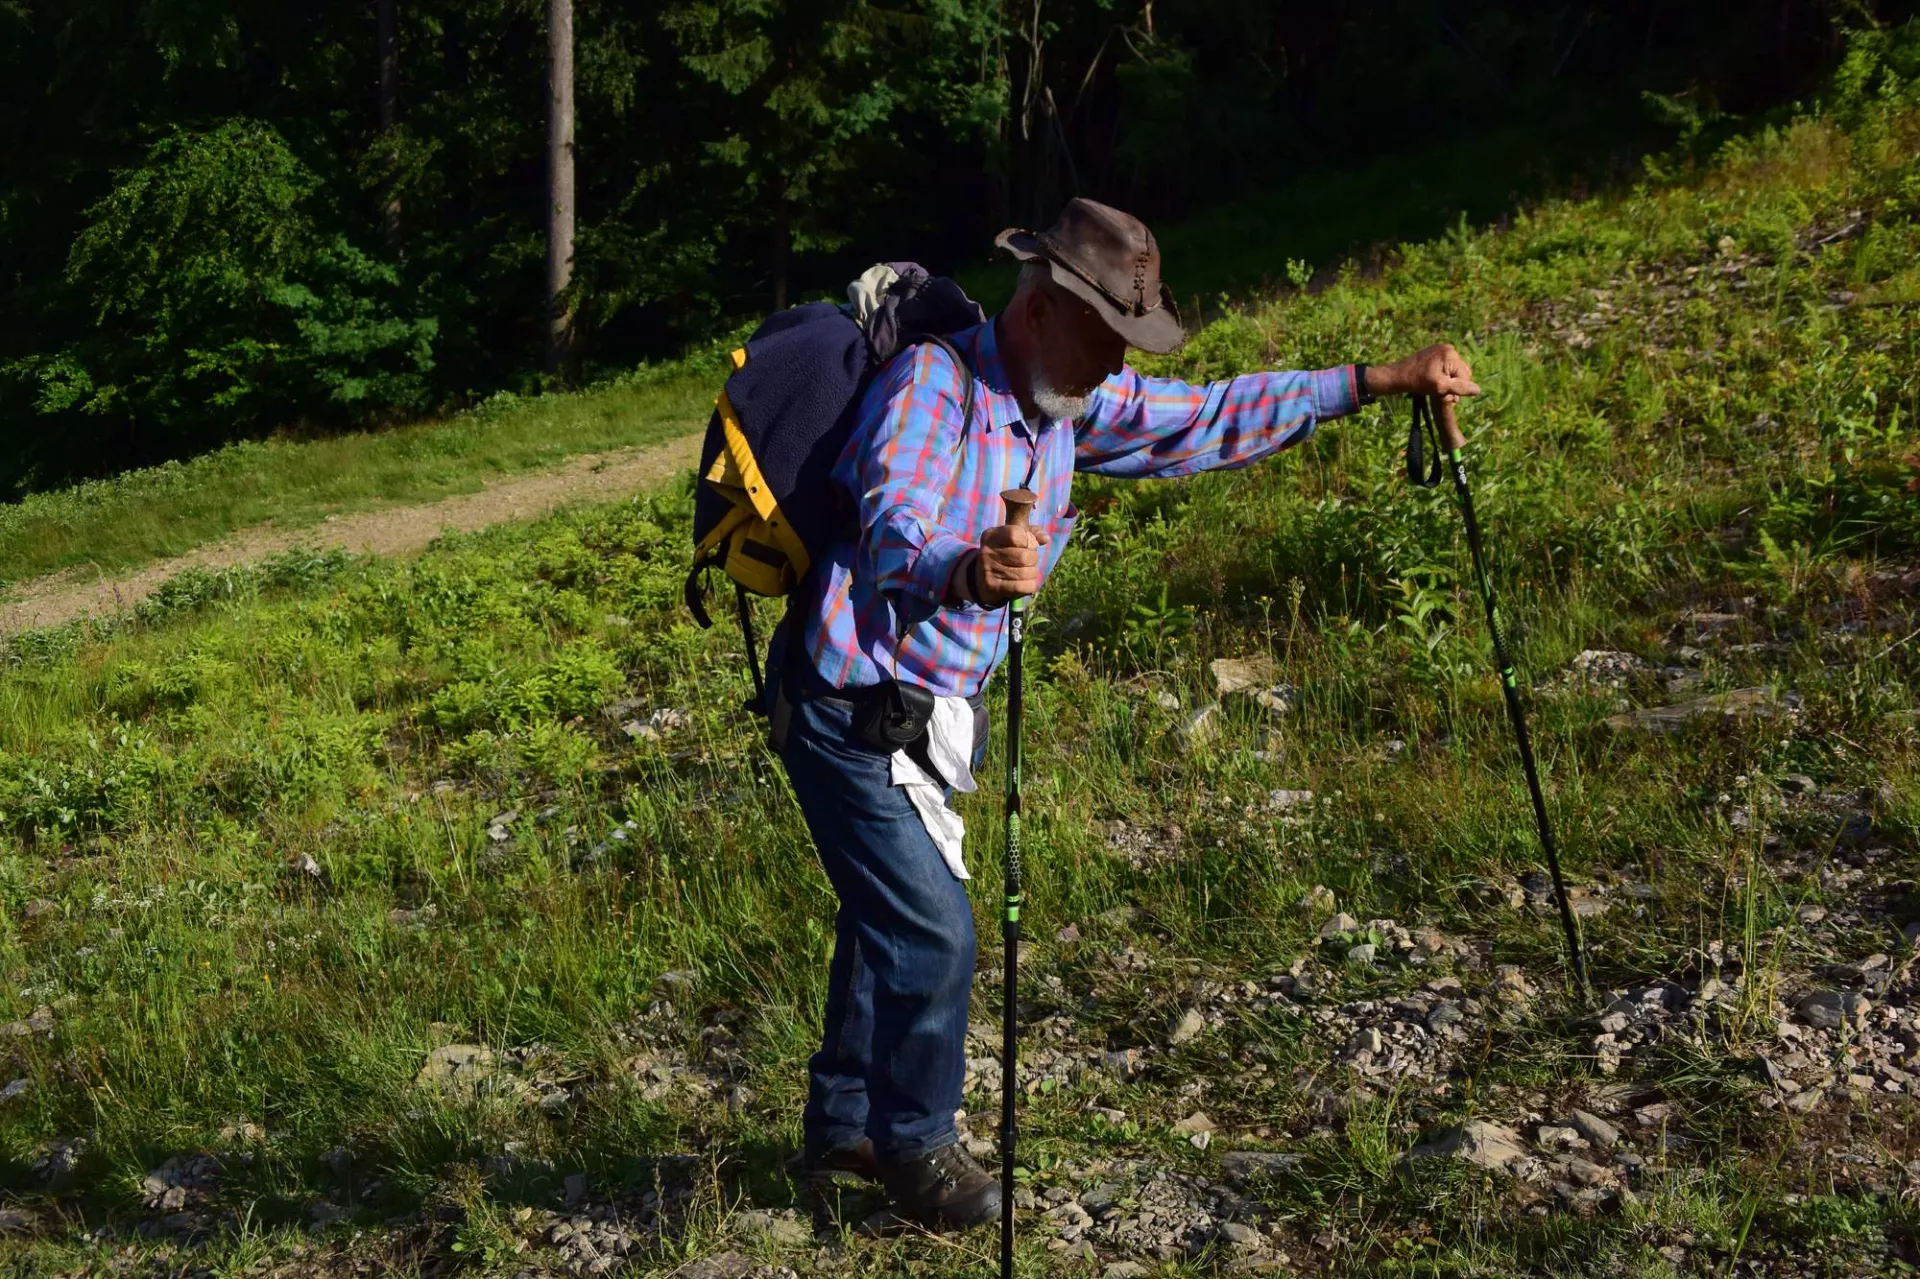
(18, 1220)
(1340, 925)
(1511, 987)
(778, 1228)
(61, 1160)
(1554, 1136)
(1582, 1171)
(1233, 675)
(1242, 1236)
(575, 1187)
(657, 726)
(1798, 784)
(1492, 1146)
(1187, 1026)
(17, 1089)
(1741, 703)
(1197, 1122)
(1067, 935)
(724, 1265)
(1242, 1166)
(1125, 1270)
(1825, 1009)
(1362, 954)
(1595, 1129)
(674, 983)
(38, 1022)
(458, 1067)
(1367, 1041)
(1200, 727)
(1319, 901)
(1279, 701)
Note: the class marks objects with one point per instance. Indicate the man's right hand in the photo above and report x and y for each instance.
(1009, 564)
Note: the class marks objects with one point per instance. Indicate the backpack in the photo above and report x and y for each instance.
(765, 503)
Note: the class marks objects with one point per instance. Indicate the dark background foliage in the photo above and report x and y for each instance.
(206, 233)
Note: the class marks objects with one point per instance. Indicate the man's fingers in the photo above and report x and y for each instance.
(1010, 535)
(1012, 557)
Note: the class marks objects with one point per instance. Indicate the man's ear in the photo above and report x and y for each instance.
(1039, 306)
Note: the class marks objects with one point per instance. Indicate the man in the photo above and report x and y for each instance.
(915, 597)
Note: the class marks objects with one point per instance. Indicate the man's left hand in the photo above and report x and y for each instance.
(1438, 370)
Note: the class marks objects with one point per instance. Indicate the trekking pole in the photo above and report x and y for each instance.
(1019, 504)
(1433, 423)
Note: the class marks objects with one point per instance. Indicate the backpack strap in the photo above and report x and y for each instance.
(966, 376)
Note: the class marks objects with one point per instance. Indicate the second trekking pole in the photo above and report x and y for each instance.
(1434, 426)
(1019, 506)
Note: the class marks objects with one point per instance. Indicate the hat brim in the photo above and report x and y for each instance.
(1157, 332)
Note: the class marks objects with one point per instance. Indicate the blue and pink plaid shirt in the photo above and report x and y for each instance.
(927, 491)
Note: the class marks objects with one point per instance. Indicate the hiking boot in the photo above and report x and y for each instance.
(815, 1164)
(943, 1189)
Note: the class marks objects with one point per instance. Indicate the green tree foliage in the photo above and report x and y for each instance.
(218, 303)
(215, 222)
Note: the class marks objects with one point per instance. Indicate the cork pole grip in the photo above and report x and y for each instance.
(1020, 504)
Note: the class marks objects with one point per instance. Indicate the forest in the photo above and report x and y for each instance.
(232, 219)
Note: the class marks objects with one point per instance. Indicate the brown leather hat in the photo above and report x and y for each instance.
(1109, 260)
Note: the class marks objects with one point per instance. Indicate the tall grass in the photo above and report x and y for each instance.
(265, 848)
(166, 510)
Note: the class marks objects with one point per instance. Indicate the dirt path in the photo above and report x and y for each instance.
(61, 597)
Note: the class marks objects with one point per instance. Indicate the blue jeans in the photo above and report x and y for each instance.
(892, 1057)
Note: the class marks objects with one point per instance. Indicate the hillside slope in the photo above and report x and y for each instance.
(450, 913)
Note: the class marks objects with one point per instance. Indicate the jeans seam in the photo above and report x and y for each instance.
(847, 1009)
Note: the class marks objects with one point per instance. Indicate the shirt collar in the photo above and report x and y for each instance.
(1001, 407)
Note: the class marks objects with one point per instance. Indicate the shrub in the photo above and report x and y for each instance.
(217, 305)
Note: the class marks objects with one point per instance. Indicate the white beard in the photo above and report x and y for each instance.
(1057, 406)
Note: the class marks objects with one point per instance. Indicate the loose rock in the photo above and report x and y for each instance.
(1595, 1129)
(1233, 675)
(1478, 1142)
(1741, 703)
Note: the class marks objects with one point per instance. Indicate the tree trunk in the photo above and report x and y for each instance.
(782, 250)
(390, 112)
(559, 178)
(454, 69)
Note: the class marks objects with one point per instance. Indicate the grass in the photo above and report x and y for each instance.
(144, 515)
(1286, 233)
(269, 844)
(1248, 246)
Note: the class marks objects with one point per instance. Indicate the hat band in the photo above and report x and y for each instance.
(1139, 306)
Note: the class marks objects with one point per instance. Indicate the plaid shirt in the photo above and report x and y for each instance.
(927, 492)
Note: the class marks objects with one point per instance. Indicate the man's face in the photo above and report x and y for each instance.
(1076, 353)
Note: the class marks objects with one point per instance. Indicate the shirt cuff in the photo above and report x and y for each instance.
(933, 567)
(1336, 393)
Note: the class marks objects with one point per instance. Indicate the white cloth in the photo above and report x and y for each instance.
(865, 293)
(950, 750)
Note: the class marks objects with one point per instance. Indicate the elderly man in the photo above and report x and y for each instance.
(913, 599)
